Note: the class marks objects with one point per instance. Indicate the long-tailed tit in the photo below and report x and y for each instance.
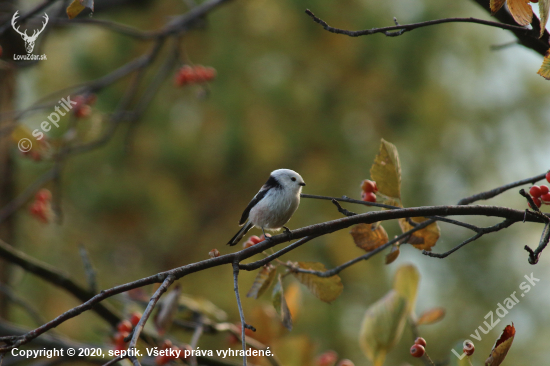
(273, 205)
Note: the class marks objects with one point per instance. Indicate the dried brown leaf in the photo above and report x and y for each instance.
(74, 9)
(544, 70)
(393, 254)
(496, 5)
(501, 347)
(263, 280)
(369, 236)
(544, 9)
(423, 239)
(326, 289)
(521, 11)
(279, 302)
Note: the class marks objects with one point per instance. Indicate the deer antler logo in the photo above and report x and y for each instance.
(29, 40)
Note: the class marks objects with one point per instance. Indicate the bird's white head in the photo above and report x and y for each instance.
(289, 179)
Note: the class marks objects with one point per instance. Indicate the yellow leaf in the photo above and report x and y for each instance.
(262, 282)
(544, 70)
(544, 9)
(405, 282)
(22, 135)
(382, 327)
(496, 5)
(369, 236)
(279, 303)
(501, 347)
(326, 289)
(74, 9)
(386, 172)
(423, 238)
(293, 298)
(521, 11)
(393, 254)
(431, 316)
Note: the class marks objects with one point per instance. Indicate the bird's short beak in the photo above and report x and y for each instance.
(302, 184)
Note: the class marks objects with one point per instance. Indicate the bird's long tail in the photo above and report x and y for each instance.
(240, 234)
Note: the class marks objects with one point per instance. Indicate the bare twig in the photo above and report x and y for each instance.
(398, 30)
(241, 313)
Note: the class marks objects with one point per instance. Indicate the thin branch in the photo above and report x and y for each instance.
(398, 30)
(504, 224)
(495, 192)
(545, 237)
(149, 309)
(241, 313)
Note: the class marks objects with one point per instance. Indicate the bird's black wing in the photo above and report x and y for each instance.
(271, 183)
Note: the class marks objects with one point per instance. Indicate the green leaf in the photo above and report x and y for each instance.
(386, 172)
(262, 282)
(280, 305)
(326, 289)
(382, 326)
(405, 282)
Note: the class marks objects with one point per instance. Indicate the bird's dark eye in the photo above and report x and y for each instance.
(293, 179)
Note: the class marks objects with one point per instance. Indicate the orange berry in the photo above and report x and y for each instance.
(214, 253)
(83, 111)
(118, 339)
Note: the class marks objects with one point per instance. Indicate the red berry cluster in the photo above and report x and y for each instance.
(329, 358)
(83, 105)
(253, 240)
(418, 349)
(368, 190)
(41, 207)
(541, 194)
(123, 330)
(194, 74)
(163, 359)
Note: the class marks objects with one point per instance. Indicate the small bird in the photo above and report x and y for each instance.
(273, 205)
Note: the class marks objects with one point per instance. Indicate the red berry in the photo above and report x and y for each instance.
(214, 253)
(327, 358)
(468, 348)
(124, 326)
(417, 350)
(135, 318)
(548, 177)
(83, 111)
(537, 201)
(421, 341)
(40, 210)
(345, 362)
(43, 195)
(201, 73)
(369, 186)
(368, 197)
(544, 189)
(118, 339)
(535, 191)
(210, 73)
(545, 198)
(166, 344)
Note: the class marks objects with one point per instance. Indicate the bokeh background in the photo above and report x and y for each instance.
(465, 118)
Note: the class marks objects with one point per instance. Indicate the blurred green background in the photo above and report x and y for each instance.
(290, 95)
